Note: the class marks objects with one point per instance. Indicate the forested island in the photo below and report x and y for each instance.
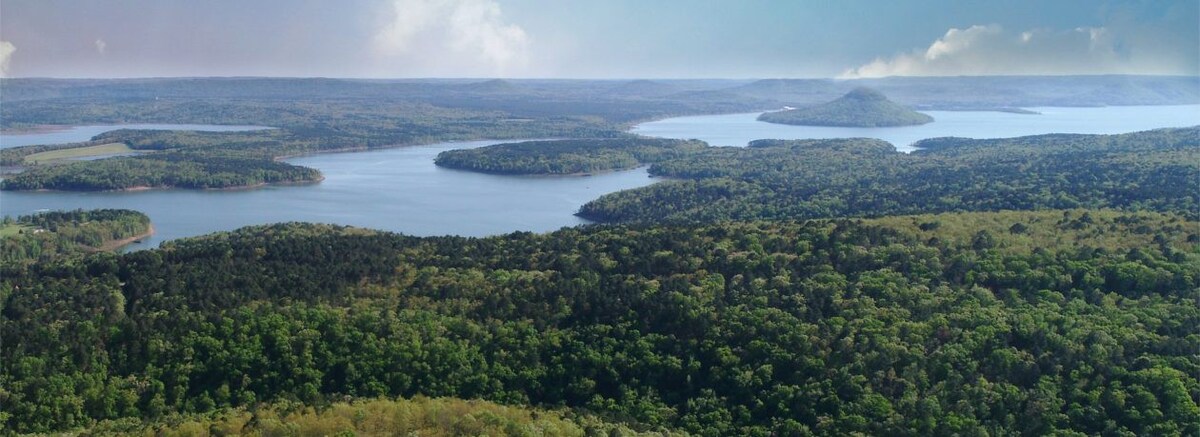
(563, 157)
(861, 107)
(1075, 321)
(783, 179)
(50, 235)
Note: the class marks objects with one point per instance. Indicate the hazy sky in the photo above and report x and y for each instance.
(595, 39)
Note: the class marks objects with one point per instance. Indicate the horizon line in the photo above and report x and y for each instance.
(837, 79)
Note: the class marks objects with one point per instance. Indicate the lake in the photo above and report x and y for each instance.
(402, 190)
(397, 190)
(739, 129)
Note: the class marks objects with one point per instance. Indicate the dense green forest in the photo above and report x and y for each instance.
(1072, 322)
(49, 235)
(567, 156)
(777, 179)
(862, 107)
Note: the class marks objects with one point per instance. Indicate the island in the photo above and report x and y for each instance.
(861, 107)
(567, 157)
(54, 234)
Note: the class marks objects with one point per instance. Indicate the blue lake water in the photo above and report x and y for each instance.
(402, 190)
(739, 129)
(398, 190)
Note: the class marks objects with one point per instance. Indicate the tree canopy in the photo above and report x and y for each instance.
(943, 324)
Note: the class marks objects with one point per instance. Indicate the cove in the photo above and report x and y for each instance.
(398, 190)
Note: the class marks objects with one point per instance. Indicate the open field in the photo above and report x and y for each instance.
(11, 229)
(79, 152)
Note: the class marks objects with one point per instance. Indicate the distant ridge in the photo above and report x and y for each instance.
(644, 88)
(493, 86)
(861, 107)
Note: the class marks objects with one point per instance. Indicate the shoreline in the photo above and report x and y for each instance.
(36, 129)
(546, 175)
(171, 187)
(117, 244)
(51, 128)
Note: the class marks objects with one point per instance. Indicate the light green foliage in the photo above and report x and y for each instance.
(417, 416)
(78, 152)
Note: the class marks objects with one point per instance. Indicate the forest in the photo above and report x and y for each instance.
(57, 234)
(561, 157)
(1074, 322)
(782, 179)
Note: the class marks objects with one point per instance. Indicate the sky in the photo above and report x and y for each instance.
(596, 39)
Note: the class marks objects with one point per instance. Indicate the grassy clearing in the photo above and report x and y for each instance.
(78, 152)
(11, 229)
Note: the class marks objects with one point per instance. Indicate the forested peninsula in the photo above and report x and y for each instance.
(861, 107)
(564, 157)
(783, 179)
(54, 234)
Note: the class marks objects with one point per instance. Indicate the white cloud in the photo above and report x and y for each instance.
(993, 50)
(101, 46)
(6, 51)
(458, 37)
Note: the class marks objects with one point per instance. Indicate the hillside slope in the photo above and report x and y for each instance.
(862, 107)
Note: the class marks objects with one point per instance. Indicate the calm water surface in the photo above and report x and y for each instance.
(401, 190)
(398, 190)
(739, 129)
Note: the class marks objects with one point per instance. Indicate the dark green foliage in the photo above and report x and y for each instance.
(45, 236)
(862, 107)
(778, 179)
(567, 156)
(826, 327)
